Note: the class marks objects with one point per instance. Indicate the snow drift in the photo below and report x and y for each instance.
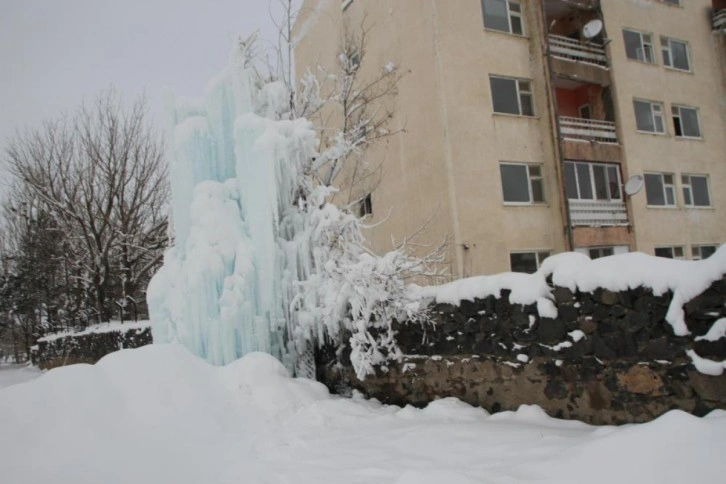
(159, 414)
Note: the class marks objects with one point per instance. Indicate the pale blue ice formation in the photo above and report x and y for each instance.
(224, 288)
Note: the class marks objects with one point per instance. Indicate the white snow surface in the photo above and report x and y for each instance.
(158, 414)
(687, 279)
(717, 331)
(12, 374)
(99, 328)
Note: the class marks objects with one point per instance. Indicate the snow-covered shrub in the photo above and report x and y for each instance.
(352, 292)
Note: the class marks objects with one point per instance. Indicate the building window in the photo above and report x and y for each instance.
(638, 46)
(503, 15)
(585, 111)
(592, 181)
(659, 189)
(649, 116)
(522, 183)
(365, 206)
(675, 54)
(695, 191)
(598, 252)
(511, 96)
(685, 122)
(669, 252)
(527, 262)
(699, 252)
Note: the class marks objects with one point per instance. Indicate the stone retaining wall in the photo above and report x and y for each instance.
(608, 357)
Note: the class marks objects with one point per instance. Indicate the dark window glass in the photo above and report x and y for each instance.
(583, 179)
(633, 45)
(571, 181)
(523, 262)
(495, 15)
(699, 186)
(654, 189)
(679, 54)
(601, 183)
(614, 182)
(504, 95)
(643, 116)
(515, 183)
(707, 251)
(666, 252)
(689, 121)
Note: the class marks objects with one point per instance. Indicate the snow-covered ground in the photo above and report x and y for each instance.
(11, 374)
(160, 415)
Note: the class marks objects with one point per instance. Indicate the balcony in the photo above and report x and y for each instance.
(598, 214)
(719, 19)
(588, 130)
(576, 51)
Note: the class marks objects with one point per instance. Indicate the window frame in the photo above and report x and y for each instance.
(651, 105)
(696, 253)
(530, 179)
(679, 107)
(674, 249)
(510, 14)
(365, 206)
(643, 44)
(664, 188)
(539, 256)
(519, 92)
(593, 185)
(689, 200)
(665, 45)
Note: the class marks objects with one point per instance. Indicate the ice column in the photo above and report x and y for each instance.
(224, 287)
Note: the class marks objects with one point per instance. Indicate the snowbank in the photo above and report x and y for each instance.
(159, 414)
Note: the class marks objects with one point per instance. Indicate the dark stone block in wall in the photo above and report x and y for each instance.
(661, 349)
(551, 330)
(710, 299)
(469, 308)
(606, 297)
(720, 286)
(567, 312)
(601, 349)
(562, 295)
(715, 350)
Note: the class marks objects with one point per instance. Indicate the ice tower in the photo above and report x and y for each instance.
(225, 286)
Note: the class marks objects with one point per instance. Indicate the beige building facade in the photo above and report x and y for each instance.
(528, 128)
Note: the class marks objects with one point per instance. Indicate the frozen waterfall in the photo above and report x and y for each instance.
(224, 288)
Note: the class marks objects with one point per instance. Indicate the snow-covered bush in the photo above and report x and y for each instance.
(352, 293)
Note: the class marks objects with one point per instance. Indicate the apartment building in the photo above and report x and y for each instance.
(534, 127)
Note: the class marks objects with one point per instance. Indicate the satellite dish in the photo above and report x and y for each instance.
(634, 185)
(592, 29)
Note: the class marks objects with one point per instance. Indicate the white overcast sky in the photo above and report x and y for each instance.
(55, 53)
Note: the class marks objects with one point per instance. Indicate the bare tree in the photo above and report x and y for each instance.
(350, 102)
(101, 175)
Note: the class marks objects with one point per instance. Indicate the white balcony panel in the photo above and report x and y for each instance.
(573, 50)
(588, 130)
(598, 213)
(719, 20)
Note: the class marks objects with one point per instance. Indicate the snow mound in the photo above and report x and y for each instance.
(159, 414)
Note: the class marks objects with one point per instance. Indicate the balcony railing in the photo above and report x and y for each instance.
(719, 20)
(588, 129)
(573, 50)
(597, 213)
